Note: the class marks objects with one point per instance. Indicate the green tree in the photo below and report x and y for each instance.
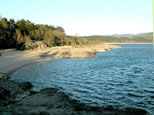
(4, 23)
(60, 29)
(21, 25)
(29, 26)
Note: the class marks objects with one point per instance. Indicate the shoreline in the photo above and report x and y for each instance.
(127, 43)
(24, 58)
(50, 101)
(20, 99)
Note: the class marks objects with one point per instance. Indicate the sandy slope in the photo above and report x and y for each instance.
(12, 59)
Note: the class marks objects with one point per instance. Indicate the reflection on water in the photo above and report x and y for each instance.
(121, 77)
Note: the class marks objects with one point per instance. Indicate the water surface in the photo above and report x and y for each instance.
(120, 77)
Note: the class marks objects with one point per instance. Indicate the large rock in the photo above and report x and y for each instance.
(31, 45)
(52, 102)
(17, 99)
(24, 85)
(11, 92)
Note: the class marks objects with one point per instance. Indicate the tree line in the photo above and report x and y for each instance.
(23, 34)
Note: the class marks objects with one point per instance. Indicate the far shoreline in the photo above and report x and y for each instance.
(127, 43)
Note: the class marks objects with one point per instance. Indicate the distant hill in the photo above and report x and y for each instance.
(120, 38)
(122, 35)
(143, 35)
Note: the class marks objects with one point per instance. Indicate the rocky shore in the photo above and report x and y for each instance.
(18, 98)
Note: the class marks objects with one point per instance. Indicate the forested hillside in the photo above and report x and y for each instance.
(23, 34)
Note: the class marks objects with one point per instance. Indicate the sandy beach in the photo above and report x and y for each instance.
(12, 59)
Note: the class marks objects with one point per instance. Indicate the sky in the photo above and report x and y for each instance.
(84, 17)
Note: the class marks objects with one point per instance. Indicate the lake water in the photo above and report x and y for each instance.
(121, 77)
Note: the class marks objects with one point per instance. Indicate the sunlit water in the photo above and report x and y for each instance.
(120, 77)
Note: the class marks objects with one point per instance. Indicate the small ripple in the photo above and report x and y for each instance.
(132, 75)
(97, 97)
(70, 83)
(123, 69)
(87, 82)
(152, 97)
(134, 95)
(117, 84)
(100, 83)
(89, 88)
(81, 91)
(151, 102)
(141, 103)
(137, 70)
(121, 98)
(149, 91)
(129, 82)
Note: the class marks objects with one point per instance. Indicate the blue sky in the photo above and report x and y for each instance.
(84, 17)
